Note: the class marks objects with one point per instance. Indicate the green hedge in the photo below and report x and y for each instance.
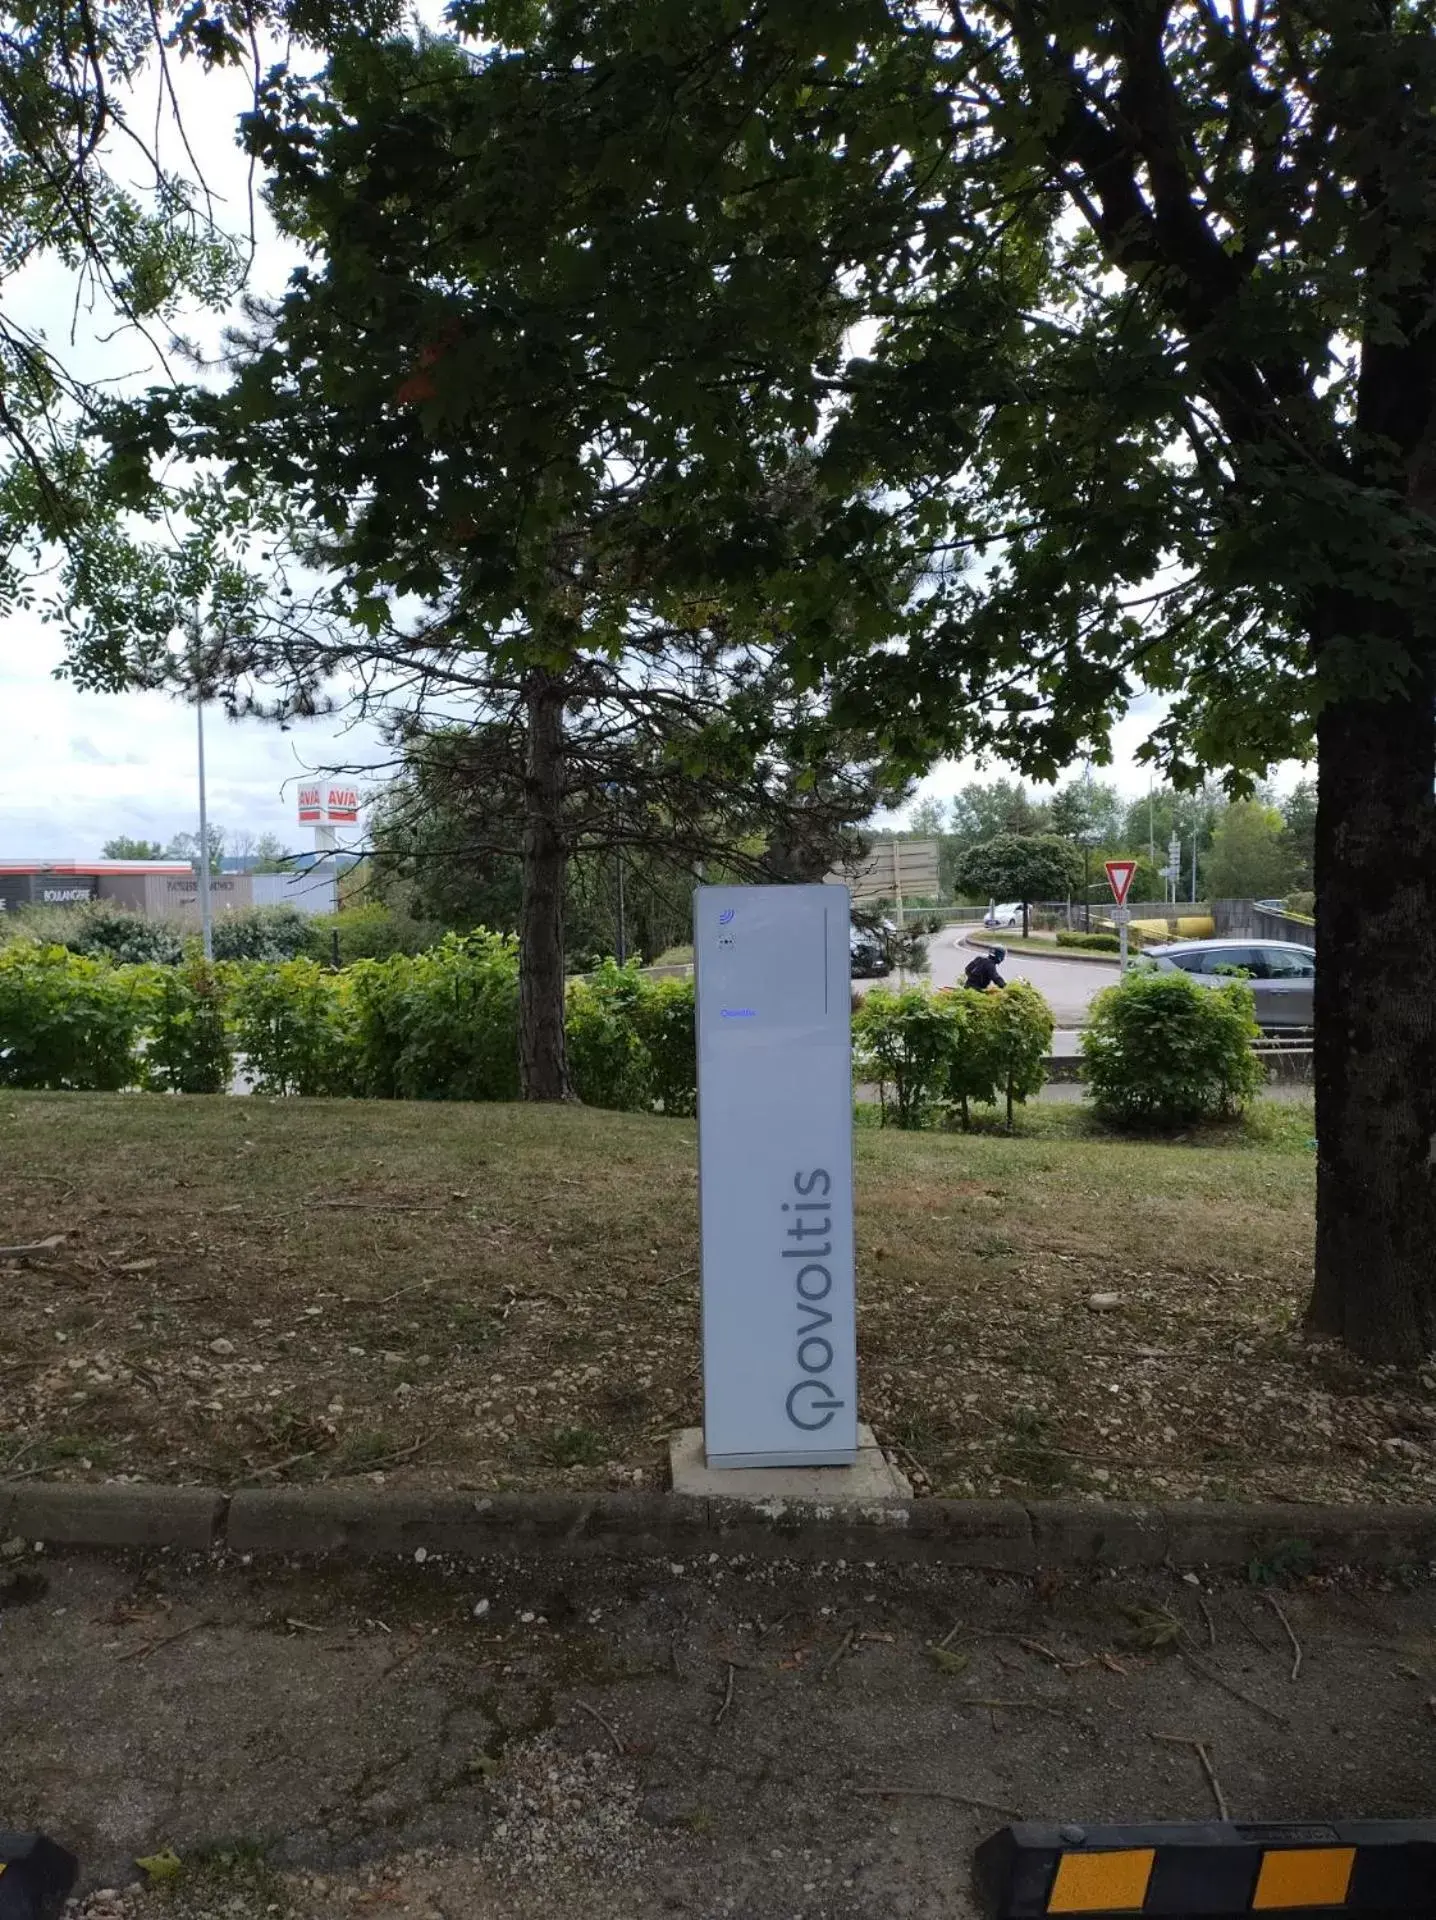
(1090, 942)
(933, 1054)
(1160, 1051)
(1100, 942)
(438, 1025)
(70, 1021)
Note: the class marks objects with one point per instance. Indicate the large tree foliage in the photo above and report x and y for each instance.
(1025, 867)
(1218, 473)
(776, 800)
(98, 178)
(632, 609)
(1249, 858)
(1150, 338)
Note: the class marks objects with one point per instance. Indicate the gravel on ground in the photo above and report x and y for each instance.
(458, 1741)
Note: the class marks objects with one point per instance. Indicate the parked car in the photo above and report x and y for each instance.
(869, 955)
(1007, 915)
(1282, 976)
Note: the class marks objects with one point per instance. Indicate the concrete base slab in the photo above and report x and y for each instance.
(871, 1476)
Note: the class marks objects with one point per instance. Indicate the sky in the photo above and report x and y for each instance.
(79, 768)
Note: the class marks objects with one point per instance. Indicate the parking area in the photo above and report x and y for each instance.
(641, 1738)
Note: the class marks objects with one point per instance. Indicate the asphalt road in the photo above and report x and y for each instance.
(1068, 986)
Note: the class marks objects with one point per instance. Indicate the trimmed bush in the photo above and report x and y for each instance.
(908, 1042)
(294, 1023)
(100, 929)
(189, 1047)
(1014, 1031)
(1001, 1047)
(68, 1021)
(606, 1056)
(1090, 942)
(667, 1027)
(1162, 1052)
(368, 932)
(441, 1025)
(261, 933)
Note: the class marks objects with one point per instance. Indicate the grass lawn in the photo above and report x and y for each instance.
(266, 1290)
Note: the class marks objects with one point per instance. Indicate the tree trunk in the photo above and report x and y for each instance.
(1376, 1021)
(543, 1057)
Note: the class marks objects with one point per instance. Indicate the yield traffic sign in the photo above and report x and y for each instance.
(1119, 878)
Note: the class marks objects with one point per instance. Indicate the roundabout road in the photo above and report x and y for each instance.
(1068, 986)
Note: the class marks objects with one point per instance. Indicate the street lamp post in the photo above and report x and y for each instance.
(622, 926)
(206, 921)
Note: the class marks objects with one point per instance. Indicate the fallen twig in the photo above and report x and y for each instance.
(262, 1473)
(1036, 1646)
(1021, 1706)
(380, 1460)
(377, 1206)
(912, 1460)
(938, 1793)
(416, 1645)
(27, 1446)
(607, 1725)
(1277, 1609)
(951, 1634)
(1230, 1686)
(165, 1640)
(415, 1286)
(1198, 1747)
(727, 1698)
(845, 1646)
(1211, 1623)
(35, 1246)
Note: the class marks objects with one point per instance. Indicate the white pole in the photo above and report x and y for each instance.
(1122, 947)
(205, 921)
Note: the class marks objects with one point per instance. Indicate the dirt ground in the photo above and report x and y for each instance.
(641, 1739)
(252, 1292)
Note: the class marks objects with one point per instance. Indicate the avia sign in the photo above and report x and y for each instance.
(323, 804)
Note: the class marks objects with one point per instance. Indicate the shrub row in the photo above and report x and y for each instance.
(438, 1025)
(1090, 942)
(1159, 1051)
(103, 930)
(935, 1053)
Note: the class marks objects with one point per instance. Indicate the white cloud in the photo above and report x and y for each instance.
(78, 768)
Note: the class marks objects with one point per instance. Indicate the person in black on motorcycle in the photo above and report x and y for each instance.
(982, 972)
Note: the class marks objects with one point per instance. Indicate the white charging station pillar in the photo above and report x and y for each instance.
(775, 1175)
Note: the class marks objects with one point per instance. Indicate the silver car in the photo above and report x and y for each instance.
(1280, 975)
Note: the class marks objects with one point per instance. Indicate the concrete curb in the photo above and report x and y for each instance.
(997, 1536)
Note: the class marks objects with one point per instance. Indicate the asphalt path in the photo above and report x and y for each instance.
(1068, 986)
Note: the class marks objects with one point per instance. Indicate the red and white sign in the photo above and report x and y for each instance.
(324, 805)
(1119, 878)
